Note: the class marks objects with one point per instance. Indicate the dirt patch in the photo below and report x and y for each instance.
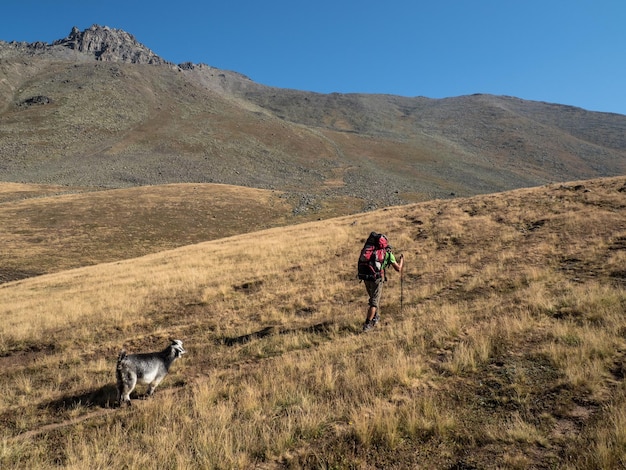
(8, 275)
(25, 356)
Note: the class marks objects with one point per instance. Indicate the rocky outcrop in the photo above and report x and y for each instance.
(109, 45)
(36, 100)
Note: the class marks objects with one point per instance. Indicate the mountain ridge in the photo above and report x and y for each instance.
(100, 42)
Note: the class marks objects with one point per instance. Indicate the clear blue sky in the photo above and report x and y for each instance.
(561, 51)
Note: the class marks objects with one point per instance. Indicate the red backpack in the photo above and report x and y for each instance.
(372, 257)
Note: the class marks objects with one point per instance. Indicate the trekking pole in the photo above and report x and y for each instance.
(401, 290)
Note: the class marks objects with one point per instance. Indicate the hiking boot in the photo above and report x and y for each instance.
(368, 325)
(375, 320)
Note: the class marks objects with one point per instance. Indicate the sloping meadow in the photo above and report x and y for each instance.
(502, 345)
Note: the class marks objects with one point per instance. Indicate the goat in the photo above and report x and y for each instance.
(144, 368)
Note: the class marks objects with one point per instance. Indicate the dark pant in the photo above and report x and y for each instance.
(374, 290)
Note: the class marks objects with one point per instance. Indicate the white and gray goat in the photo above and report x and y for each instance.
(144, 368)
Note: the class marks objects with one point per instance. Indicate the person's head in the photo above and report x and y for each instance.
(383, 242)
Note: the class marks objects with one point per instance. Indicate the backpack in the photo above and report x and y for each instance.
(372, 257)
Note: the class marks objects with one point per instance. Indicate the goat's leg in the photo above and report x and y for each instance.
(153, 385)
(125, 388)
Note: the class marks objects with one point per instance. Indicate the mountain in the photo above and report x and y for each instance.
(99, 109)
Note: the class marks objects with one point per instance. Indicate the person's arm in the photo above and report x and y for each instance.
(398, 266)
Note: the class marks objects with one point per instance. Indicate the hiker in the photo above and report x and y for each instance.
(375, 256)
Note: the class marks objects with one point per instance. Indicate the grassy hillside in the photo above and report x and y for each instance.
(508, 351)
(53, 228)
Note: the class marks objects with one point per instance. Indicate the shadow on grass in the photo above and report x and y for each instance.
(104, 397)
(319, 328)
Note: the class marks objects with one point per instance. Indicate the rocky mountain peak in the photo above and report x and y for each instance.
(109, 45)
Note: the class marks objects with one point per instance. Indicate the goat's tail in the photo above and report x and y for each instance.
(121, 357)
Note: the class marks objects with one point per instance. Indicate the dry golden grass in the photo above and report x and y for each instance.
(509, 350)
(51, 228)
